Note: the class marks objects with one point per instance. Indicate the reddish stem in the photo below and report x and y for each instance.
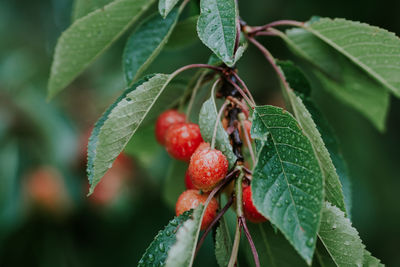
(244, 86)
(192, 66)
(265, 33)
(224, 182)
(277, 23)
(270, 59)
(240, 104)
(247, 170)
(216, 219)
(249, 102)
(242, 221)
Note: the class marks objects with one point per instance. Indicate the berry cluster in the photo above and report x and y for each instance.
(207, 166)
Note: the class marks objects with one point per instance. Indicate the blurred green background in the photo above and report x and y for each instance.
(50, 222)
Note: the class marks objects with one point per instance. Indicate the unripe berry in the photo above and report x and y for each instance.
(207, 168)
(191, 199)
(164, 121)
(182, 139)
(250, 211)
(188, 181)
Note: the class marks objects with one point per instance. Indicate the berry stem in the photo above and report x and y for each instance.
(246, 90)
(250, 239)
(194, 93)
(183, 5)
(216, 219)
(270, 59)
(266, 33)
(246, 136)
(239, 194)
(247, 170)
(240, 90)
(192, 66)
(224, 182)
(235, 247)
(276, 23)
(217, 121)
(240, 104)
(239, 212)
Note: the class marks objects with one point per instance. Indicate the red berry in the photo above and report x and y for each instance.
(250, 211)
(190, 199)
(164, 121)
(182, 139)
(188, 181)
(202, 146)
(46, 188)
(207, 168)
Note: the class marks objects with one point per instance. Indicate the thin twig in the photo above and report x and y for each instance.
(270, 58)
(247, 170)
(250, 239)
(247, 138)
(224, 182)
(246, 90)
(249, 102)
(183, 5)
(192, 66)
(235, 247)
(265, 33)
(240, 104)
(216, 219)
(239, 212)
(194, 93)
(218, 119)
(277, 23)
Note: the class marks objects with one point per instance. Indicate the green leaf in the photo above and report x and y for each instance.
(323, 257)
(272, 247)
(118, 124)
(165, 6)
(216, 27)
(168, 99)
(370, 260)
(182, 252)
(332, 144)
(240, 51)
(184, 34)
(142, 146)
(174, 183)
(287, 182)
(223, 243)
(330, 70)
(158, 250)
(207, 121)
(89, 37)
(340, 239)
(375, 50)
(333, 187)
(146, 43)
(83, 7)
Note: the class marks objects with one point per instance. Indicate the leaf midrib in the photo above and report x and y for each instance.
(168, 80)
(222, 26)
(284, 173)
